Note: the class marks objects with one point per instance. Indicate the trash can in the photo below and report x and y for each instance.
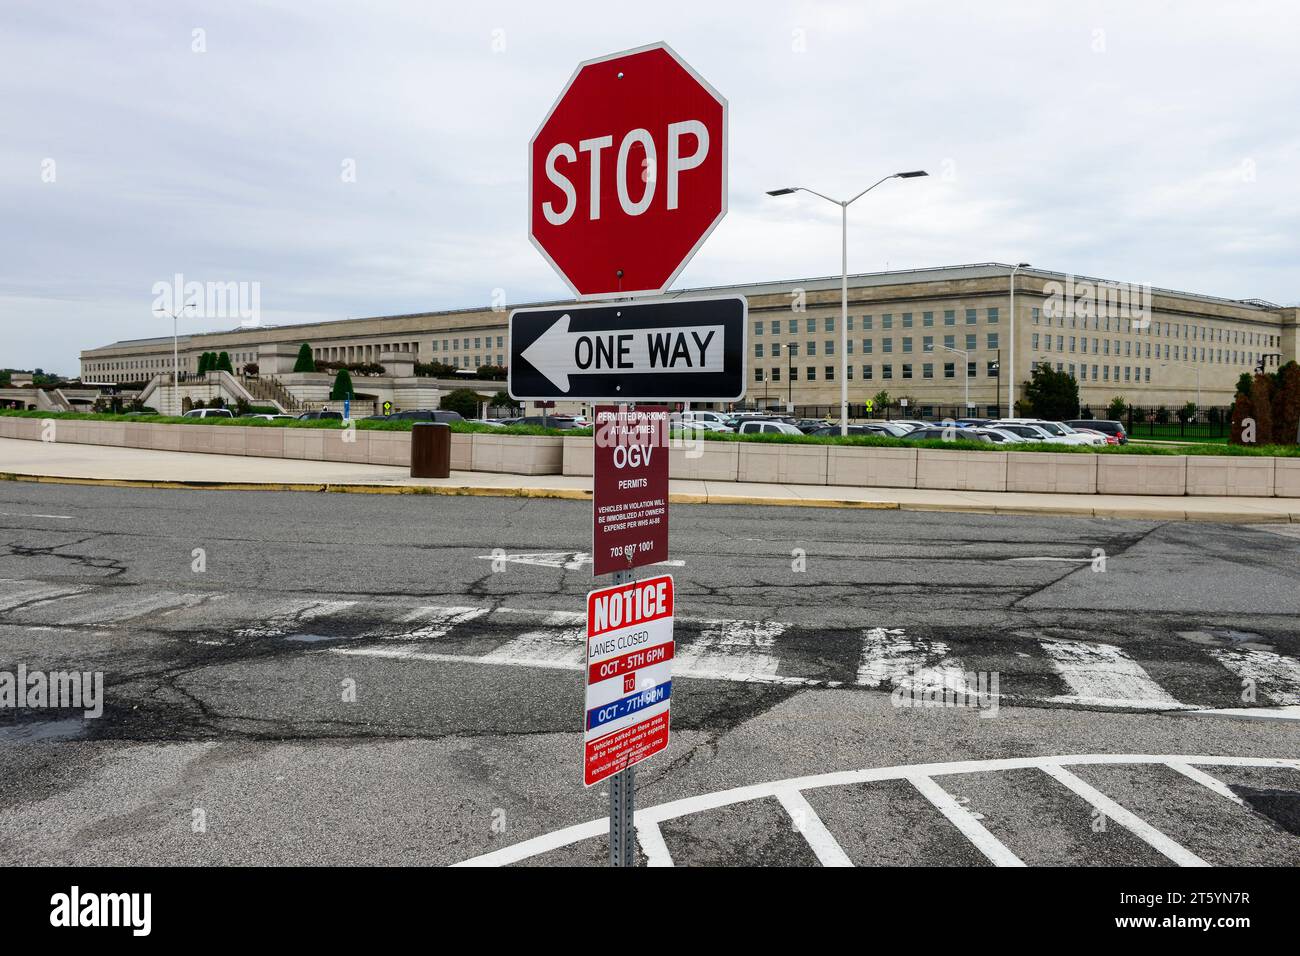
(430, 450)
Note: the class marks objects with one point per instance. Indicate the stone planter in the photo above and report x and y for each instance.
(1052, 472)
(867, 467)
(1141, 475)
(1230, 475)
(579, 456)
(782, 463)
(705, 461)
(516, 454)
(961, 470)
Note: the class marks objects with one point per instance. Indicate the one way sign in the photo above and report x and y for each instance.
(669, 350)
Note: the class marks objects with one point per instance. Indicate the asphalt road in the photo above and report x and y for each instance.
(333, 678)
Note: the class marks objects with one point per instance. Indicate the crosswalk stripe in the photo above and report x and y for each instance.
(553, 646)
(1125, 818)
(133, 607)
(1103, 675)
(807, 822)
(994, 849)
(433, 622)
(285, 616)
(652, 843)
(890, 658)
(733, 650)
(1276, 676)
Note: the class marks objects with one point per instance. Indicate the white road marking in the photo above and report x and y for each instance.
(290, 615)
(558, 643)
(130, 608)
(889, 658)
(15, 514)
(1205, 780)
(731, 650)
(652, 843)
(1251, 713)
(984, 841)
(686, 806)
(1125, 818)
(568, 560)
(1066, 560)
(807, 822)
(435, 622)
(1103, 675)
(1276, 676)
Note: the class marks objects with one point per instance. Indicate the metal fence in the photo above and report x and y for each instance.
(1208, 424)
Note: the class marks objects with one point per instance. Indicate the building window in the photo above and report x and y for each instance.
(810, 374)
(887, 321)
(810, 324)
(794, 373)
(907, 343)
(886, 345)
(949, 369)
(866, 373)
(992, 338)
(828, 347)
(971, 316)
(950, 341)
(886, 371)
(776, 350)
(758, 375)
(829, 373)
(993, 315)
(830, 324)
(927, 319)
(776, 374)
(927, 343)
(927, 370)
(812, 348)
(907, 320)
(949, 317)
(758, 350)
(776, 326)
(970, 370)
(758, 328)
(907, 370)
(866, 346)
(992, 370)
(866, 323)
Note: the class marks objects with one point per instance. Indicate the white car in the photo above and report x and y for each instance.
(768, 428)
(1057, 433)
(209, 413)
(699, 421)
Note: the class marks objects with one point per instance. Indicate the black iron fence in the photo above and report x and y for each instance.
(1206, 424)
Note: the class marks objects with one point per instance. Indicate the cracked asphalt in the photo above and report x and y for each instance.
(239, 727)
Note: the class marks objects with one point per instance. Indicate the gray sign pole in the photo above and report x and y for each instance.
(622, 794)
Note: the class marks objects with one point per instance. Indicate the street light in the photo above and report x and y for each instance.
(844, 205)
(1011, 376)
(176, 360)
(965, 368)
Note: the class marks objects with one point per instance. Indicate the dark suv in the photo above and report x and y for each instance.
(1112, 429)
(324, 413)
(426, 415)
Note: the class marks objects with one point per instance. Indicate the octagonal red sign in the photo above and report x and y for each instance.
(627, 175)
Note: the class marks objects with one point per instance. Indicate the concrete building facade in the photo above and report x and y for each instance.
(930, 335)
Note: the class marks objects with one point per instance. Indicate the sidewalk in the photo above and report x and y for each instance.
(103, 464)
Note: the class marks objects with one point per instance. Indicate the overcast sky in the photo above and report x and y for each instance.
(1144, 141)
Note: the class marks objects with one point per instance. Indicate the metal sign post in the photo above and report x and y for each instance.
(622, 796)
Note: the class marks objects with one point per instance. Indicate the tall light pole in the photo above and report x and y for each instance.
(1011, 375)
(965, 368)
(176, 354)
(844, 205)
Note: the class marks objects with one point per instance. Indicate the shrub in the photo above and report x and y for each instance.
(1286, 406)
(1053, 395)
(305, 362)
(252, 368)
(223, 363)
(462, 400)
(1117, 408)
(1162, 416)
(342, 386)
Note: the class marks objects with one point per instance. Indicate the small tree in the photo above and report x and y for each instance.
(462, 400)
(1053, 395)
(223, 363)
(1244, 381)
(1261, 397)
(881, 400)
(1117, 408)
(203, 362)
(305, 362)
(342, 386)
(1187, 413)
(1286, 406)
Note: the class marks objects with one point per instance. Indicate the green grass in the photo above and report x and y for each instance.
(1133, 448)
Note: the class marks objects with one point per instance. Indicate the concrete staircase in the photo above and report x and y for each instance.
(269, 389)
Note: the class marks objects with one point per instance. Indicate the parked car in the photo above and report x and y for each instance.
(1110, 439)
(947, 433)
(1000, 435)
(1062, 434)
(209, 413)
(1109, 428)
(548, 421)
(894, 429)
(317, 415)
(494, 422)
(768, 428)
(426, 415)
(699, 421)
(268, 417)
(809, 425)
(865, 429)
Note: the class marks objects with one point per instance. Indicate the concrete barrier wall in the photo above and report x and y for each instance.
(926, 468)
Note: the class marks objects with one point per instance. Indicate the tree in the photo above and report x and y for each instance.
(881, 400)
(462, 400)
(1261, 397)
(1052, 395)
(6, 378)
(204, 362)
(1117, 408)
(1244, 381)
(1286, 406)
(223, 363)
(305, 362)
(502, 400)
(342, 386)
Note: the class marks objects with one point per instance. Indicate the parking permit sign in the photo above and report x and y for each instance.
(629, 675)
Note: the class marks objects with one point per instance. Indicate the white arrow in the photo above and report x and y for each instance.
(558, 353)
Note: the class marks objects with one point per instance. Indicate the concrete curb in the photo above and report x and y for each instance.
(677, 498)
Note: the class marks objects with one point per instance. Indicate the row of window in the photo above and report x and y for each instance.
(970, 343)
(1175, 330)
(906, 320)
(1143, 350)
(1102, 373)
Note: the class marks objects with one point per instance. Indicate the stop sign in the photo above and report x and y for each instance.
(627, 175)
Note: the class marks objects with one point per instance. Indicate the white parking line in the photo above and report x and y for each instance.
(984, 841)
(686, 806)
(1103, 675)
(652, 843)
(1205, 780)
(15, 514)
(807, 822)
(1130, 821)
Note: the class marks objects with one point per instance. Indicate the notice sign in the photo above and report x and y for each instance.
(629, 675)
(629, 521)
